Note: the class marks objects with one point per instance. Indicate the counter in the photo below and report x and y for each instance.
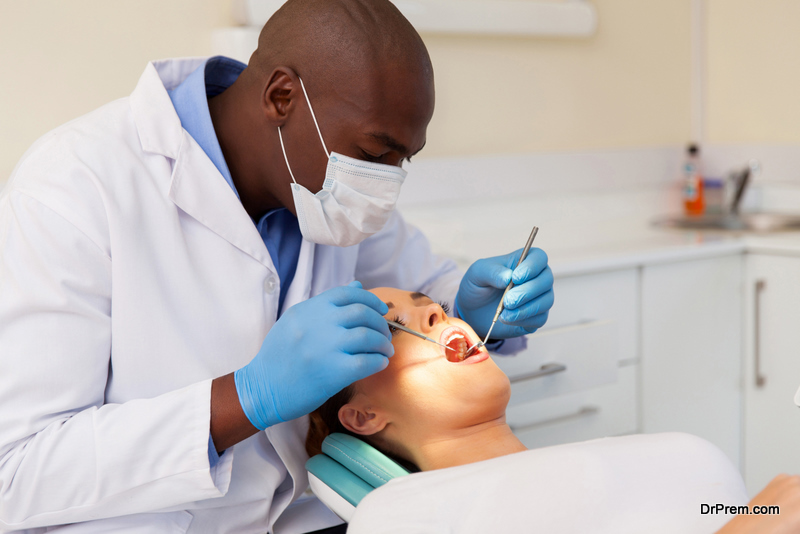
(583, 233)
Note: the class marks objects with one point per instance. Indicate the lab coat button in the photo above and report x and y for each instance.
(270, 284)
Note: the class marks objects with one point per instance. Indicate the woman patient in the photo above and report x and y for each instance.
(435, 409)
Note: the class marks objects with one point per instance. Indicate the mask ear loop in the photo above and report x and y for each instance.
(283, 149)
(313, 116)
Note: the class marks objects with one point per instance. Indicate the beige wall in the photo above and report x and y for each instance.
(628, 86)
(62, 58)
(753, 73)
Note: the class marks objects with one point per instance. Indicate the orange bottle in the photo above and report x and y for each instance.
(693, 200)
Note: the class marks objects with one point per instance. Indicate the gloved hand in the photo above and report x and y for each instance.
(317, 348)
(526, 305)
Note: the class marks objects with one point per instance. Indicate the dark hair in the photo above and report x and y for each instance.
(325, 421)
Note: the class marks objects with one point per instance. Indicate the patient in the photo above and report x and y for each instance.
(423, 408)
(433, 409)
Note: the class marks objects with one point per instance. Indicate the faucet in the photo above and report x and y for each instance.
(741, 180)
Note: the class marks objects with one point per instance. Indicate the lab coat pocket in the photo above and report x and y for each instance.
(163, 523)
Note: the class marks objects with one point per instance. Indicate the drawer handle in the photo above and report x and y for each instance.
(760, 378)
(546, 369)
(586, 410)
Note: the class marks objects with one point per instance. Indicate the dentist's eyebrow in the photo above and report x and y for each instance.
(390, 142)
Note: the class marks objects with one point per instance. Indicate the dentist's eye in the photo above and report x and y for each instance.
(366, 156)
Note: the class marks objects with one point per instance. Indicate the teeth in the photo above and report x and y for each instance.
(454, 336)
(457, 347)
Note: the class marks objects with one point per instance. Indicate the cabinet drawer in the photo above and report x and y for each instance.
(609, 296)
(560, 361)
(608, 410)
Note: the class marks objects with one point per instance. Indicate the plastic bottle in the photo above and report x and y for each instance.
(693, 200)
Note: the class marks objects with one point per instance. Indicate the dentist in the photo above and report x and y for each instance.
(179, 269)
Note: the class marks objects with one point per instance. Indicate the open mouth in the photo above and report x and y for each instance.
(457, 342)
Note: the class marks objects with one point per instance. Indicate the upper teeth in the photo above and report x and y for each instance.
(454, 336)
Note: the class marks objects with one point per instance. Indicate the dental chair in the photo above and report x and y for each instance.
(636, 483)
(346, 471)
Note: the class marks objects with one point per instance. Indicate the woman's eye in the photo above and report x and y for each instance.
(393, 329)
(445, 307)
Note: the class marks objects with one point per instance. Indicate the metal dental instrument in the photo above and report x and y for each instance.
(500, 307)
(404, 328)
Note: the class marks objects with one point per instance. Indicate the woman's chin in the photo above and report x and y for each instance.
(489, 391)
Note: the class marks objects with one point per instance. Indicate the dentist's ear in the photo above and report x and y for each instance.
(280, 95)
(362, 420)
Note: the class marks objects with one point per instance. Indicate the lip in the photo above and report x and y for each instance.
(479, 356)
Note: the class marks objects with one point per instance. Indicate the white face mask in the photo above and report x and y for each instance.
(355, 202)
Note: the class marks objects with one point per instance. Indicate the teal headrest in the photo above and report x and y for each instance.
(352, 468)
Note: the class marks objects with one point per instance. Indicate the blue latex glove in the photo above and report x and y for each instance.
(526, 305)
(317, 348)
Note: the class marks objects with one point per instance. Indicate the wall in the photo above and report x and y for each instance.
(626, 87)
(753, 83)
(62, 58)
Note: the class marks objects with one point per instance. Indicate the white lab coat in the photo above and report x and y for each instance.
(130, 277)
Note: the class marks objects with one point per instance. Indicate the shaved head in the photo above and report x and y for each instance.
(368, 77)
(333, 40)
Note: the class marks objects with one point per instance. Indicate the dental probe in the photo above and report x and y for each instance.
(415, 333)
(500, 307)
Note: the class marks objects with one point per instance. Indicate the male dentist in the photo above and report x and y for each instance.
(180, 270)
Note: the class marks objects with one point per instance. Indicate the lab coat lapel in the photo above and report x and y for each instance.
(300, 289)
(196, 185)
(200, 190)
(157, 122)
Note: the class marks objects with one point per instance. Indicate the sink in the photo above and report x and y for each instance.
(745, 222)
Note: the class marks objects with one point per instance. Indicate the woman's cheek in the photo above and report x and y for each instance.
(405, 350)
(413, 371)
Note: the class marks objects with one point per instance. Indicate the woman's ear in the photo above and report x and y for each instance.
(361, 420)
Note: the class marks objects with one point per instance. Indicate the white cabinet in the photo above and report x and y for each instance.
(577, 380)
(609, 410)
(671, 347)
(560, 361)
(691, 350)
(605, 296)
(772, 352)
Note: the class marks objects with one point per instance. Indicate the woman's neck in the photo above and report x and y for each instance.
(468, 445)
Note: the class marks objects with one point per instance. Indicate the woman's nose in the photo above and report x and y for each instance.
(433, 315)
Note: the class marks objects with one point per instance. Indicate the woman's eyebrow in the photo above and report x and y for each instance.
(416, 295)
(389, 304)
